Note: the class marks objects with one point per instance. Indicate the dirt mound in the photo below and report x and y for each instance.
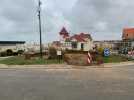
(76, 59)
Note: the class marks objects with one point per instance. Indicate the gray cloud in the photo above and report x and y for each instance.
(105, 19)
(17, 17)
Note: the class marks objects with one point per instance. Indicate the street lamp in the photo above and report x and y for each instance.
(40, 29)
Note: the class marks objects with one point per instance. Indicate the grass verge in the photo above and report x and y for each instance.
(22, 61)
(115, 59)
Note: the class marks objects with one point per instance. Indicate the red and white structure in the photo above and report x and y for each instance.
(89, 59)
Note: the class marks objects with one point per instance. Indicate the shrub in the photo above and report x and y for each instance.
(3, 54)
(20, 52)
(100, 51)
(9, 52)
(52, 53)
(94, 56)
(15, 53)
(76, 52)
(99, 59)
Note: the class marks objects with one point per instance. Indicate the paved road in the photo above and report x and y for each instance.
(82, 84)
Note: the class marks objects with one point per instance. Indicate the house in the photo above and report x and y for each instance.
(80, 41)
(13, 45)
(128, 34)
(128, 38)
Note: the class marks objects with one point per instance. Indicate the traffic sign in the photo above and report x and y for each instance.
(106, 52)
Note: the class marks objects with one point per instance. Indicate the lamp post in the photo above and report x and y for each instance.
(40, 29)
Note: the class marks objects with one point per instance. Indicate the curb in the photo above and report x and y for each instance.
(64, 66)
(120, 64)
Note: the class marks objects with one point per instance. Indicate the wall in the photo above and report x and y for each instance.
(88, 46)
(13, 47)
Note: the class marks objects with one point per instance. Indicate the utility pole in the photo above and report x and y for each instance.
(40, 29)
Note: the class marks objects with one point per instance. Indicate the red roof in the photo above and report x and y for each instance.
(64, 32)
(78, 38)
(128, 33)
(81, 37)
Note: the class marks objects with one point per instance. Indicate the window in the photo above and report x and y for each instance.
(74, 45)
(127, 35)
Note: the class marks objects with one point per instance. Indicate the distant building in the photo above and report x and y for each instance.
(127, 41)
(128, 38)
(111, 44)
(35, 47)
(14, 45)
(80, 41)
(128, 34)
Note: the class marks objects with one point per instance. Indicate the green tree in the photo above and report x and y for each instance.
(100, 51)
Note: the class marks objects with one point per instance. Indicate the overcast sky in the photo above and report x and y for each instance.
(103, 19)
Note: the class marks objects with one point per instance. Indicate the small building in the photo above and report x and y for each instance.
(13, 45)
(80, 41)
(128, 38)
(128, 34)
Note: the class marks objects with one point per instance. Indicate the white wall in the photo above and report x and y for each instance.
(88, 46)
(13, 47)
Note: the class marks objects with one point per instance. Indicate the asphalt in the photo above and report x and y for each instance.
(115, 83)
